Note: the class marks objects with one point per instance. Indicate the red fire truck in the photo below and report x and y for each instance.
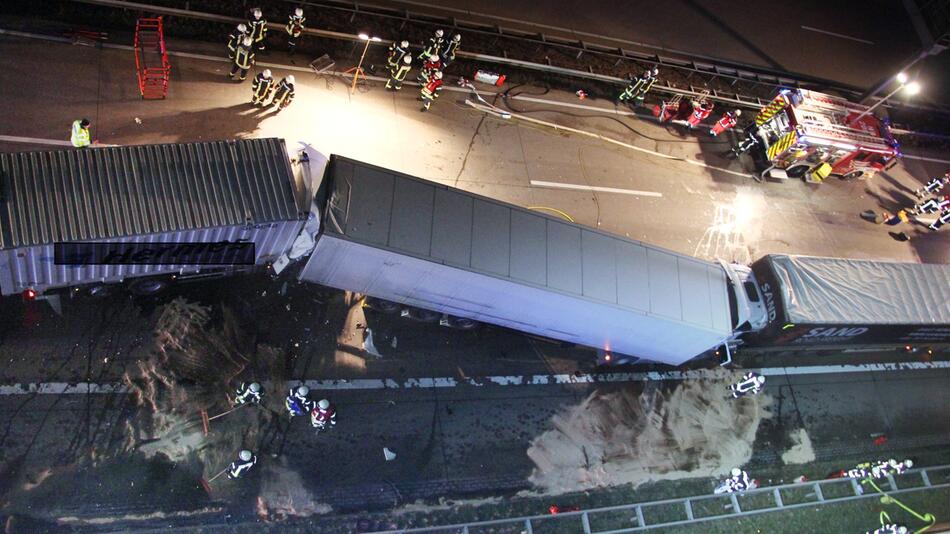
(811, 135)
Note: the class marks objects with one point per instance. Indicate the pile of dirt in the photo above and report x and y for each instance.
(633, 436)
(801, 451)
(283, 495)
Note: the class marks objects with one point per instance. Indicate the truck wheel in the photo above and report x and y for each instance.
(853, 175)
(99, 291)
(147, 286)
(383, 306)
(797, 171)
(461, 323)
(424, 316)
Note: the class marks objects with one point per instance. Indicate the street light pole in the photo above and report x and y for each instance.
(359, 68)
(912, 88)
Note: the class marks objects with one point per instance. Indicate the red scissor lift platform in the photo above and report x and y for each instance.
(151, 58)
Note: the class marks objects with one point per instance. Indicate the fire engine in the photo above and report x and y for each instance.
(811, 135)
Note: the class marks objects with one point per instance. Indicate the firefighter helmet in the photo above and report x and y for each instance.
(439, 33)
(247, 41)
(404, 44)
(760, 379)
(266, 73)
(656, 71)
(438, 75)
(433, 58)
(456, 37)
(298, 12)
(245, 455)
(736, 471)
(255, 387)
(256, 12)
(290, 79)
(242, 28)
(323, 404)
(407, 59)
(737, 112)
(303, 391)
(908, 463)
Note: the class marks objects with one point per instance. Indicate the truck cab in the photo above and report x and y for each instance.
(749, 313)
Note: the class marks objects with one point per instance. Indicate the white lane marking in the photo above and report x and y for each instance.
(923, 158)
(83, 388)
(826, 32)
(34, 140)
(558, 185)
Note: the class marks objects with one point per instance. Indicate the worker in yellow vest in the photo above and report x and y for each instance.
(80, 135)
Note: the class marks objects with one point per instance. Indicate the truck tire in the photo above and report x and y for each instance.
(423, 316)
(853, 175)
(462, 323)
(100, 291)
(383, 306)
(797, 171)
(144, 287)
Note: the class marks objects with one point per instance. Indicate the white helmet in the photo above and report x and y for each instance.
(908, 463)
(247, 41)
(433, 58)
(404, 44)
(892, 461)
(902, 530)
(290, 79)
(760, 379)
(439, 33)
(266, 73)
(738, 112)
(407, 59)
(298, 12)
(323, 404)
(245, 455)
(456, 37)
(257, 12)
(255, 387)
(303, 391)
(656, 71)
(438, 75)
(736, 471)
(242, 27)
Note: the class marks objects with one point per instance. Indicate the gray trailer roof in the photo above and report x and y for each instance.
(101, 193)
(394, 211)
(842, 291)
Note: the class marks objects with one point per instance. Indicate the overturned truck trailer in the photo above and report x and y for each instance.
(425, 245)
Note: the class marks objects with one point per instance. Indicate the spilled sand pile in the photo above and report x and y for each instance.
(633, 436)
(801, 451)
(283, 495)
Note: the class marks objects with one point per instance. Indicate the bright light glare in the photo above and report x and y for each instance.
(912, 88)
(363, 36)
(376, 39)
(902, 77)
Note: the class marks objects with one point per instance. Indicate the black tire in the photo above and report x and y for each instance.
(853, 175)
(462, 323)
(100, 291)
(424, 316)
(797, 171)
(144, 287)
(383, 306)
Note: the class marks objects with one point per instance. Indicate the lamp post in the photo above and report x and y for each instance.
(911, 88)
(359, 68)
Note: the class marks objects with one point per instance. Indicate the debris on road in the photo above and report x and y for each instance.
(801, 451)
(388, 454)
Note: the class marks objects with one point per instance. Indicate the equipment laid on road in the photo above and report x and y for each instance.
(811, 135)
(490, 78)
(151, 58)
(676, 111)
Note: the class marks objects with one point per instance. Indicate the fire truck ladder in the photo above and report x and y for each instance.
(151, 58)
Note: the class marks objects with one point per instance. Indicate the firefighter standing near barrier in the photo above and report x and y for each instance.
(430, 91)
(262, 87)
(397, 73)
(432, 64)
(639, 87)
(295, 26)
(258, 26)
(436, 42)
(284, 94)
(243, 58)
(448, 56)
(728, 121)
(79, 136)
(397, 51)
(236, 37)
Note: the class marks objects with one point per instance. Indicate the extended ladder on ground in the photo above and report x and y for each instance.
(151, 58)
(673, 512)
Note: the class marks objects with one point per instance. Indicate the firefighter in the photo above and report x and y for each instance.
(238, 468)
(243, 58)
(284, 94)
(752, 137)
(448, 55)
(638, 87)
(248, 393)
(295, 26)
(236, 37)
(323, 413)
(726, 122)
(933, 186)
(436, 42)
(397, 51)
(932, 205)
(943, 219)
(750, 383)
(889, 528)
(297, 402)
(258, 26)
(79, 136)
(701, 110)
(262, 87)
(430, 91)
(398, 73)
(432, 64)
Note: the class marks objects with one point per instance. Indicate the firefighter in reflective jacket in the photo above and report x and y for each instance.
(243, 58)
(295, 27)
(436, 42)
(432, 64)
(934, 186)
(322, 414)
(262, 87)
(235, 39)
(398, 73)
(750, 383)
(448, 56)
(726, 122)
(258, 27)
(430, 91)
(284, 94)
(638, 88)
(943, 219)
(397, 51)
(80, 134)
(239, 467)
